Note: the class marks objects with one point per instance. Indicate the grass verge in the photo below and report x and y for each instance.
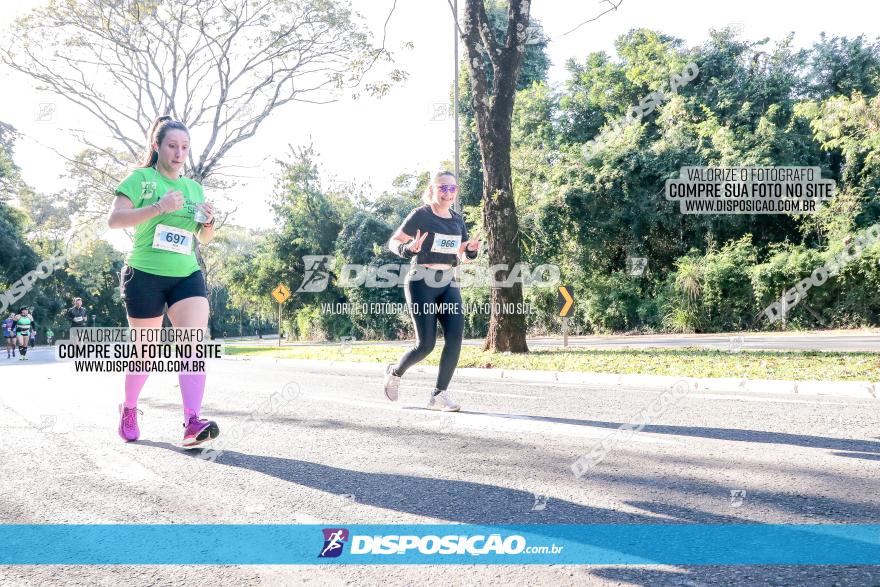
(682, 362)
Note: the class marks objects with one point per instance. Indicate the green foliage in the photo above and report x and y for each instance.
(849, 127)
(362, 241)
(10, 176)
(309, 324)
(16, 256)
(611, 302)
(586, 212)
(96, 271)
(476, 324)
(843, 66)
(712, 291)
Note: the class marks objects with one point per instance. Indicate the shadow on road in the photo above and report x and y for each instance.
(467, 502)
(865, 449)
(444, 499)
(735, 434)
(787, 575)
(859, 455)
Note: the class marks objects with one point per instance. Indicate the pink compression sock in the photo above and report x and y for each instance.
(192, 388)
(134, 382)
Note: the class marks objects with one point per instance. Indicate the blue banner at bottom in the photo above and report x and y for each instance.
(601, 544)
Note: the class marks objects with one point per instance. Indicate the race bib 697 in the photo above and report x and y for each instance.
(175, 240)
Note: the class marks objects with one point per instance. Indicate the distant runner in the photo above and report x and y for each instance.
(23, 325)
(76, 316)
(8, 327)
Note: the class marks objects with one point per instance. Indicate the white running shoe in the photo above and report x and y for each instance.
(392, 384)
(443, 402)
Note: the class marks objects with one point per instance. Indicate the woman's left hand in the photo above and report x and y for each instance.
(473, 244)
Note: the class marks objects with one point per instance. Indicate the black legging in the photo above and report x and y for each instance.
(429, 302)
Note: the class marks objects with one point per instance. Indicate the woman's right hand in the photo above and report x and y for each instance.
(416, 245)
(171, 201)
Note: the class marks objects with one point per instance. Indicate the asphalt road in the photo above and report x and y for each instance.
(341, 454)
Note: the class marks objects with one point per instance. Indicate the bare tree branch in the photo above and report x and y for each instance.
(222, 67)
(614, 6)
(455, 18)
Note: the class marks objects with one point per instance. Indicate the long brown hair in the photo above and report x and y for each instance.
(156, 134)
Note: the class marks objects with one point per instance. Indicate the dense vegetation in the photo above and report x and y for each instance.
(752, 104)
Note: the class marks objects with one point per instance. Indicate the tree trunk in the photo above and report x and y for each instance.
(493, 110)
(507, 328)
(204, 267)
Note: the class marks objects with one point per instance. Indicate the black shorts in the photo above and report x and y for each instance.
(145, 295)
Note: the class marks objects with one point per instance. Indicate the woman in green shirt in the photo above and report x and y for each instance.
(161, 269)
(24, 322)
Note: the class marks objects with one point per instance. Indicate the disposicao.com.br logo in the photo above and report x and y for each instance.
(334, 541)
(411, 544)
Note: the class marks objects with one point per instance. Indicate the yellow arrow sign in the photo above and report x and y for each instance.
(281, 293)
(565, 300)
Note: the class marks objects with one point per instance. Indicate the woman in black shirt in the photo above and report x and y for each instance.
(434, 237)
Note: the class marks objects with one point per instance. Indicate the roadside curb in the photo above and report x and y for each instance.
(858, 389)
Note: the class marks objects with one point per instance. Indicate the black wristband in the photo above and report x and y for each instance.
(404, 252)
(471, 254)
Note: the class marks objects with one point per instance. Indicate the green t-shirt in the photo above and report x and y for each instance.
(156, 249)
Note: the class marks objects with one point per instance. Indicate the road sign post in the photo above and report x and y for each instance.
(281, 295)
(784, 308)
(564, 332)
(565, 306)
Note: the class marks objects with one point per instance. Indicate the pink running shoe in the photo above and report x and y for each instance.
(128, 423)
(197, 431)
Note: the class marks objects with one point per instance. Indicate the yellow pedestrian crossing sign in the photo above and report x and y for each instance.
(281, 293)
(565, 300)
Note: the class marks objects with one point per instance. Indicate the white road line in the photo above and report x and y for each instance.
(749, 398)
(716, 396)
(490, 393)
(510, 423)
(498, 422)
(657, 391)
(732, 396)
